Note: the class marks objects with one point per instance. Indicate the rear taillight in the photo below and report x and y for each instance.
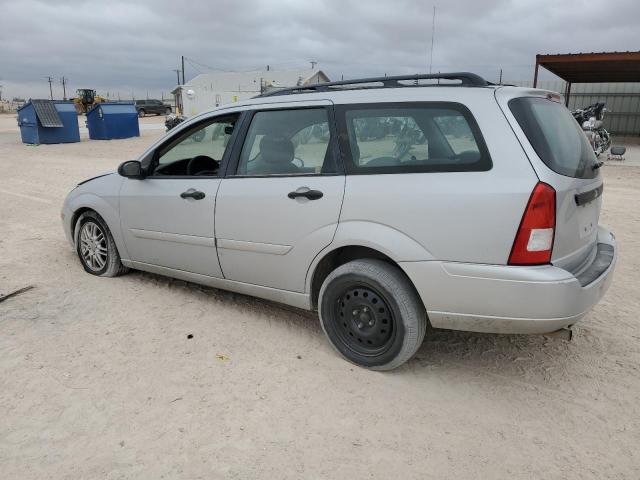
(534, 240)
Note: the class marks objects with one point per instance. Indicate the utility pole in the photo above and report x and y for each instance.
(64, 88)
(177, 70)
(313, 64)
(433, 30)
(0, 92)
(50, 87)
(182, 69)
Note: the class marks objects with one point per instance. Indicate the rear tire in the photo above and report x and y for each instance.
(371, 314)
(141, 113)
(167, 111)
(96, 248)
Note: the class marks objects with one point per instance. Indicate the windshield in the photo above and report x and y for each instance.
(555, 135)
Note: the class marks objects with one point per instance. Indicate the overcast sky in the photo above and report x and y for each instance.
(133, 46)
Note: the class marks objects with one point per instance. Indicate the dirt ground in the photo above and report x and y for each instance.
(98, 379)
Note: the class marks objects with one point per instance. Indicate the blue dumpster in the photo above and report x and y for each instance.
(48, 121)
(108, 120)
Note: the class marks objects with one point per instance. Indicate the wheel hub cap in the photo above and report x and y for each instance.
(365, 322)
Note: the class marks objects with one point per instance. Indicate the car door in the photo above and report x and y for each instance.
(279, 204)
(167, 219)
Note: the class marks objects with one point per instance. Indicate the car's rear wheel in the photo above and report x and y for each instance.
(371, 314)
(96, 248)
(141, 113)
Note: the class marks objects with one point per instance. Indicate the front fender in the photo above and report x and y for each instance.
(108, 209)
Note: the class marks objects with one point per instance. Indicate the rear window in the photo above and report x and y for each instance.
(412, 138)
(555, 136)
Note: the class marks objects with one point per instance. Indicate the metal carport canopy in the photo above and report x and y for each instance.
(602, 67)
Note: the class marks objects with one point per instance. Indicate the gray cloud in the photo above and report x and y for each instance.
(126, 47)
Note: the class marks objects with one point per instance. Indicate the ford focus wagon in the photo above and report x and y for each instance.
(385, 204)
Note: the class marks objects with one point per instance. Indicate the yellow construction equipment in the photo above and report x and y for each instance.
(86, 99)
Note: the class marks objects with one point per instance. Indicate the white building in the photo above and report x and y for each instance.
(209, 90)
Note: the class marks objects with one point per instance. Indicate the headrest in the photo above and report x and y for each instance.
(275, 149)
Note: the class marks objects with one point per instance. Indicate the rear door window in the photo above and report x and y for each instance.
(416, 137)
(555, 136)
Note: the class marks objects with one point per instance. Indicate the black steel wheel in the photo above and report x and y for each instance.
(366, 324)
(371, 314)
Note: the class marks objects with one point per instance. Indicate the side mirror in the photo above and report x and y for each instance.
(131, 169)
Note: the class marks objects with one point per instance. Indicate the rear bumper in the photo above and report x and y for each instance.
(505, 299)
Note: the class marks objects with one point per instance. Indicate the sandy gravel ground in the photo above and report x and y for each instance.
(98, 379)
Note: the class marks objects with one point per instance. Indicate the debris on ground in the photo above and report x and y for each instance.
(4, 297)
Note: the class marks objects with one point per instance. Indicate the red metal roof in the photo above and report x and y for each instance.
(593, 67)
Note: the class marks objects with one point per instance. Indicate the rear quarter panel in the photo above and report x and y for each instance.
(456, 216)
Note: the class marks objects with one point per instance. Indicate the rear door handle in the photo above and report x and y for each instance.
(305, 192)
(192, 193)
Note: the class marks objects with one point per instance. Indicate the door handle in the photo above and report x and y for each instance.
(195, 194)
(310, 194)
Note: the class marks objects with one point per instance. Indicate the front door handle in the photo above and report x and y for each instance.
(305, 192)
(192, 193)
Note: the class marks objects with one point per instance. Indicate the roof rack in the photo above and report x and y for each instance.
(467, 79)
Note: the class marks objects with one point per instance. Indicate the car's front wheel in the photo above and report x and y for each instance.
(372, 314)
(167, 111)
(141, 113)
(96, 248)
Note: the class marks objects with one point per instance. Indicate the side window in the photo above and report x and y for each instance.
(288, 142)
(457, 132)
(197, 152)
(413, 138)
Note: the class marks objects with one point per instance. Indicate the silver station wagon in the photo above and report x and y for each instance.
(385, 204)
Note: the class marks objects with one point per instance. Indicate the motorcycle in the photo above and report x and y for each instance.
(591, 121)
(172, 121)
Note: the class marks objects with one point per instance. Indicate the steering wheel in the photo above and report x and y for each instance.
(201, 165)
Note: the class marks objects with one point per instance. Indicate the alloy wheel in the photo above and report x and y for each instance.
(93, 246)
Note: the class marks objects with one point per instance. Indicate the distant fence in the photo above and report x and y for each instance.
(622, 99)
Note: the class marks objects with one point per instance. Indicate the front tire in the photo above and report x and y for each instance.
(371, 314)
(96, 248)
(141, 113)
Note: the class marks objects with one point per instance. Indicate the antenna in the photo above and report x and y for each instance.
(433, 30)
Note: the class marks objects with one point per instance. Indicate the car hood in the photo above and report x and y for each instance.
(97, 176)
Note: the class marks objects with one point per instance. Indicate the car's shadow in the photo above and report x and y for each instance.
(515, 356)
